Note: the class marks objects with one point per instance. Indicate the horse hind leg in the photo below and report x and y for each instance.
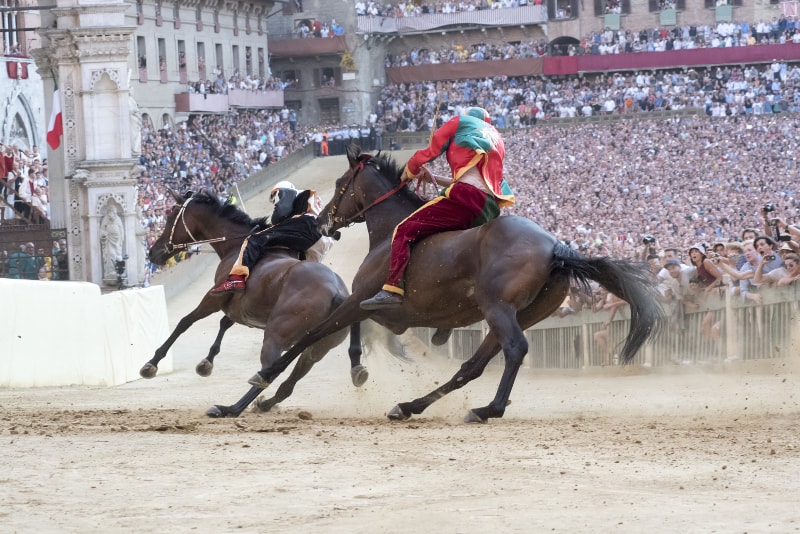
(503, 323)
(469, 371)
(206, 365)
(506, 324)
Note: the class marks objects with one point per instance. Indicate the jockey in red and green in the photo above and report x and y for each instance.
(475, 193)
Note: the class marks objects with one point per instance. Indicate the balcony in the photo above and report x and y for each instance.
(288, 46)
(236, 98)
(513, 16)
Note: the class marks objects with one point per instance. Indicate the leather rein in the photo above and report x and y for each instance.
(363, 161)
(172, 247)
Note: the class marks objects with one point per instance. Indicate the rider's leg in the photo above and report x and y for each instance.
(248, 256)
(456, 211)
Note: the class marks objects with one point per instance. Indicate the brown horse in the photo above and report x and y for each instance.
(285, 297)
(508, 272)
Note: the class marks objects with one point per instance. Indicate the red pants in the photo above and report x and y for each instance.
(461, 206)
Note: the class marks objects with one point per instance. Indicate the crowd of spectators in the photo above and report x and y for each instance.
(707, 202)
(221, 86)
(212, 152)
(319, 30)
(404, 8)
(24, 185)
(517, 102)
(723, 35)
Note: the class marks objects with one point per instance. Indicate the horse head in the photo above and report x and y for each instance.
(197, 218)
(369, 181)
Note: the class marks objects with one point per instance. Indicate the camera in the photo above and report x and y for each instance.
(773, 222)
(771, 257)
(769, 208)
(648, 239)
(715, 258)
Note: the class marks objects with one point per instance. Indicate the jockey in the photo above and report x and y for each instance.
(475, 193)
(293, 225)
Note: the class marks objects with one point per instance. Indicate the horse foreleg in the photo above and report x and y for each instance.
(204, 309)
(235, 409)
(206, 365)
(358, 373)
(469, 371)
(345, 315)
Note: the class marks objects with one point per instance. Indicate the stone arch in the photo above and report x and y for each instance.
(166, 121)
(559, 45)
(104, 80)
(108, 200)
(18, 132)
(20, 125)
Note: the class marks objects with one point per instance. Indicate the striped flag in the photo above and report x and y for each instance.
(56, 127)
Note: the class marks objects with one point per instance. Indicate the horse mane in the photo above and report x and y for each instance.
(225, 210)
(387, 166)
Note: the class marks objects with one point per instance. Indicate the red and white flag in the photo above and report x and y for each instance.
(56, 127)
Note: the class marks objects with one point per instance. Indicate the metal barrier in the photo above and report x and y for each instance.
(723, 329)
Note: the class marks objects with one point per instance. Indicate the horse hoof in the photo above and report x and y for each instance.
(263, 405)
(396, 414)
(258, 382)
(148, 370)
(204, 368)
(472, 417)
(441, 336)
(359, 374)
(215, 412)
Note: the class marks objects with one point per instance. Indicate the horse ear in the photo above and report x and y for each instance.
(353, 151)
(188, 194)
(175, 195)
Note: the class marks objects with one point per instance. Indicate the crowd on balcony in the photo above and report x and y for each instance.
(414, 9)
(521, 101)
(725, 34)
(24, 186)
(319, 30)
(221, 86)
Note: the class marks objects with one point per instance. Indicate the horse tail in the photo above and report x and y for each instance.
(374, 335)
(631, 281)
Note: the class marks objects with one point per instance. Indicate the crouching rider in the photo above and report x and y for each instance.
(293, 226)
(476, 192)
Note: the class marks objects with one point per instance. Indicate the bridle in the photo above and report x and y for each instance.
(172, 247)
(363, 161)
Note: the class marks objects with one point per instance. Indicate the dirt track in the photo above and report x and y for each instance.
(676, 450)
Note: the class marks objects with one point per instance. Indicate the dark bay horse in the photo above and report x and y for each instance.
(509, 272)
(285, 297)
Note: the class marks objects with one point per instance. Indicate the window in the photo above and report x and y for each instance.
(218, 56)
(201, 60)
(329, 110)
(662, 5)
(611, 7)
(291, 78)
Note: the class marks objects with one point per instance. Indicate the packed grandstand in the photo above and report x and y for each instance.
(684, 155)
